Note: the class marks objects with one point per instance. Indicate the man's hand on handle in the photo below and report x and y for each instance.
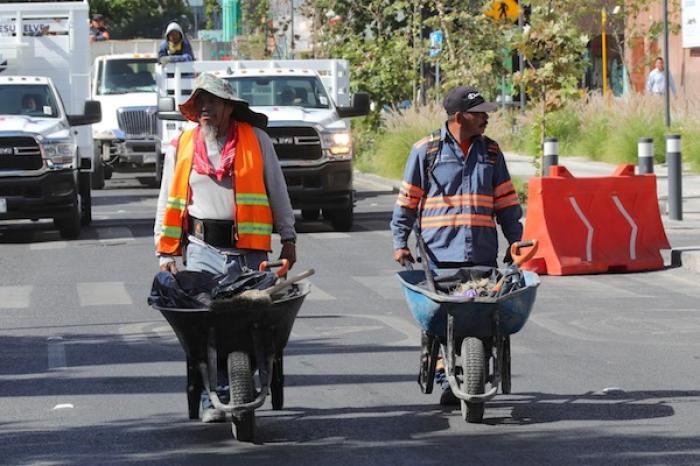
(289, 252)
(169, 267)
(403, 256)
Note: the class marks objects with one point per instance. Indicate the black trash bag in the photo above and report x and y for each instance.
(239, 279)
(184, 290)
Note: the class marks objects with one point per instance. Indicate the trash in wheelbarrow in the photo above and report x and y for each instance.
(477, 282)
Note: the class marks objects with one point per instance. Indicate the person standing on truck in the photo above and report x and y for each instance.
(456, 186)
(222, 191)
(175, 47)
(98, 29)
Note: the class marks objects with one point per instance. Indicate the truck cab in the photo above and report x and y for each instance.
(45, 145)
(127, 136)
(308, 109)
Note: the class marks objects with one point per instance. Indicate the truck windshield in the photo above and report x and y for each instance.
(283, 91)
(35, 100)
(121, 76)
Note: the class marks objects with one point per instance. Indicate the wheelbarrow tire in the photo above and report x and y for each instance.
(277, 384)
(473, 356)
(241, 389)
(505, 367)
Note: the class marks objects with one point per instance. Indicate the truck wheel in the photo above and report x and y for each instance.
(341, 220)
(240, 382)
(473, 356)
(98, 175)
(69, 227)
(310, 215)
(85, 198)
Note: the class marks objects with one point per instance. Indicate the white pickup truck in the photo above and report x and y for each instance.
(308, 105)
(127, 136)
(45, 146)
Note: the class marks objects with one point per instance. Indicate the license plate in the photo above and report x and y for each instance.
(3, 205)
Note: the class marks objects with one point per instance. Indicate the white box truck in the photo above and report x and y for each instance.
(308, 106)
(45, 144)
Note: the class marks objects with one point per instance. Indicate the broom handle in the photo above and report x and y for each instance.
(285, 283)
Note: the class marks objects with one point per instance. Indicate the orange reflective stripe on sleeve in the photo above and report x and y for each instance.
(503, 188)
(507, 201)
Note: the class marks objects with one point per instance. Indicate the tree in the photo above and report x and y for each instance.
(554, 49)
(128, 19)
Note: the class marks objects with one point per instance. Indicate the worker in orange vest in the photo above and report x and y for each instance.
(222, 191)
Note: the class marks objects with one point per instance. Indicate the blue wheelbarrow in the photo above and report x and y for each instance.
(472, 333)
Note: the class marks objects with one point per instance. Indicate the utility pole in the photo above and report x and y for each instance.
(667, 65)
(521, 60)
(291, 27)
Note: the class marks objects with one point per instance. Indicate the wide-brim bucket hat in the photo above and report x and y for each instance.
(207, 82)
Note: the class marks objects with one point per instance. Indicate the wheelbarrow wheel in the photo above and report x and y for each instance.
(240, 381)
(277, 384)
(473, 356)
(505, 366)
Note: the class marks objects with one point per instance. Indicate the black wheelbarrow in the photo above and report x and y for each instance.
(248, 340)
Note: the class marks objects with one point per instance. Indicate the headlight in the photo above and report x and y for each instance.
(339, 145)
(58, 154)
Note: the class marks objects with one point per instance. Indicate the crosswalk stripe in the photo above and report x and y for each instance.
(328, 235)
(46, 245)
(317, 294)
(386, 286)
(15, 297)
(103, 294)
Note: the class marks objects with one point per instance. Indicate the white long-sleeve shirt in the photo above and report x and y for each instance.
(656, 82)
(214, 200)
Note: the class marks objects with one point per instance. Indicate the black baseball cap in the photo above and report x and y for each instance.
(466, 99)
(98, 17)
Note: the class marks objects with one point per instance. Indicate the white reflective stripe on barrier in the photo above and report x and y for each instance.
(630, 220)
(589, 227)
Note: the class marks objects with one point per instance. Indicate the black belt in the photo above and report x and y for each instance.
(218, 233)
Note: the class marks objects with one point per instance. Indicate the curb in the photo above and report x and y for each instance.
(686, 257)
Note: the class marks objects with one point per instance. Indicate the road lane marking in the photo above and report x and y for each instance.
(15, 297)
(410, 330)
(103, 294)
(48, 245)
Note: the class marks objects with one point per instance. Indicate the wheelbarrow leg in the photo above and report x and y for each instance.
(428, 358)
(194, 389)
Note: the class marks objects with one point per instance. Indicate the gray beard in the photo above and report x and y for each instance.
(209, 133)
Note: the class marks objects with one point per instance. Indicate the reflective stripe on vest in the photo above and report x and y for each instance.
(253, 214)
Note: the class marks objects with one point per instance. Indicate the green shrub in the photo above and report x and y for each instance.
(690, 134)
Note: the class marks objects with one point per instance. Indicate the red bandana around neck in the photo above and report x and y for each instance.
(202, 164)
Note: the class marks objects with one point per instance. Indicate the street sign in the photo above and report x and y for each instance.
(690, 23)
(435, 43)
(504, 9)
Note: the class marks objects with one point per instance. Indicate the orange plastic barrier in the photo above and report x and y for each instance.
(594, 224)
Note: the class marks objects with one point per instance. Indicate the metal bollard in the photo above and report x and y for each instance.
(551, 155)
(674, 163)
(645, 155)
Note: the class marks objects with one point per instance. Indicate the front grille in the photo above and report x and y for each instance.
(296, 143)
(20, 153)
(138, 122)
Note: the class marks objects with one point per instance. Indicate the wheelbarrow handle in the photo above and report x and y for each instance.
(283, 264)
(519, 257)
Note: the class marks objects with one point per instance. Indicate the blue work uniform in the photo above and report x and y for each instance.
(466, 195)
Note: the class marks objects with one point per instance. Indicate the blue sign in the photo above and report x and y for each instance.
(435, 43)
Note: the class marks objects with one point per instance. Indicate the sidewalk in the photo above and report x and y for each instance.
(684, 235)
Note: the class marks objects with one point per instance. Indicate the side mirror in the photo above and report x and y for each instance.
(359, 106)
(167, 110)
(92, 113)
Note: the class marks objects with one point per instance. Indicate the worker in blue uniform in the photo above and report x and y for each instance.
(455, 188)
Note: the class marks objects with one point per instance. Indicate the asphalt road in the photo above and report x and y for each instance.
(605, 371)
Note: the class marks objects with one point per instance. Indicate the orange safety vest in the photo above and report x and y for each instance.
(253, 214)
